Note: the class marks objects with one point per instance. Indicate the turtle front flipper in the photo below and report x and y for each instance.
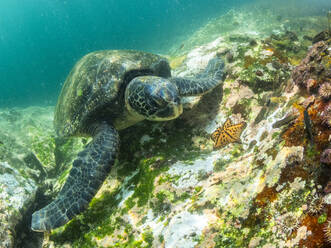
(88, 172)
(202, 83)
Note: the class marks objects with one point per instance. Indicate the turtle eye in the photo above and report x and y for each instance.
(160, 101)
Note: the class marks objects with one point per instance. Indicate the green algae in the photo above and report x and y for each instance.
(261, 77)
(322, 218)
(168, 178)
(82, 228)
(265, 67)
(144, 183)
(161, 238)
(236, 151)
(226, 92)
(229, 237)
(312, 152)
(66, 150)
(178, 146)
(44, 150)
(220, 164)
(275, 135)
(147, 236)
(243, 107)
(161, 203)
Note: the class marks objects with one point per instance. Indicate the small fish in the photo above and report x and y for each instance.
(286, 120)
(308, 124)
(227, 134)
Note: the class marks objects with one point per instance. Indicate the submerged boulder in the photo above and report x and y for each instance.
(31, 159)
(17, 195)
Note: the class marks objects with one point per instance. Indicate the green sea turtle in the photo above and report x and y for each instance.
(107, 91)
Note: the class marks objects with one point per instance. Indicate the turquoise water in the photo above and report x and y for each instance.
(40, 40)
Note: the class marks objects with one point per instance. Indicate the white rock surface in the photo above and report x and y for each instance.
(17, 193)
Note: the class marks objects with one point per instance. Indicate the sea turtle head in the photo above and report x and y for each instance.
(153, 98)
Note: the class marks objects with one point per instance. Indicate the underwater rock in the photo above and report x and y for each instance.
(17, 194)
(229, 57)
(313, 75)
(290, 35)
(314, 69)
(29, 147)
(326, 157)
(327, 188)
(30, 133)
(322, 36)
(240, 38)
(264, 66)
(326, 116)
(182, 227)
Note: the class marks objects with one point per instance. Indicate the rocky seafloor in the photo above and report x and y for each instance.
(170, 188)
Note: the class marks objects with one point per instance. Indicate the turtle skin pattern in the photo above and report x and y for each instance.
(202, 82)
(88, 172)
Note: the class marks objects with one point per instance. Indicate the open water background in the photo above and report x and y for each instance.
(40, 40)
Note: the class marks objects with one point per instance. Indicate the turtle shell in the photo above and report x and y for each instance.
(94, 89)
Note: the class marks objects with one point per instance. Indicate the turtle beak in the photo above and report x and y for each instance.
(177, 107)
(173, 110)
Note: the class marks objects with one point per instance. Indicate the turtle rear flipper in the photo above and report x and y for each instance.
(88, 172)
(202, 83)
